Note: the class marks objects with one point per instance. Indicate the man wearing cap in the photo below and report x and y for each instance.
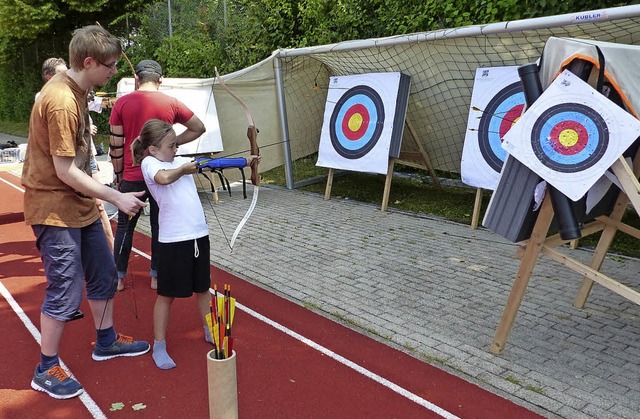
(128, 116)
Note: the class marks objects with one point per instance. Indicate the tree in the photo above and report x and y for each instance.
(229, 34)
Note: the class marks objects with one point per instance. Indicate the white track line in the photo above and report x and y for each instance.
(375, 377)
(91, 405)
(12, 185)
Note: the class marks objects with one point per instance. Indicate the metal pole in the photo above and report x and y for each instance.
(170, 29)
(284, 125)
(224, 11)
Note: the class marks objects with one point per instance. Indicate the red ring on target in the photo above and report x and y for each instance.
(357, 111)
(569, 137)
(356, 122)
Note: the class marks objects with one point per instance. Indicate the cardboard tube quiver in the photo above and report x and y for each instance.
(223, 387)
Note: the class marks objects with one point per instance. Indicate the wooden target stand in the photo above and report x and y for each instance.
(477, 203)
(418, 159)
(540, 243)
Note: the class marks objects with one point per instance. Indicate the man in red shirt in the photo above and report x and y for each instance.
(128, 116)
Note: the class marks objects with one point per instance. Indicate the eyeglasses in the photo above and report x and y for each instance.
(112, 66)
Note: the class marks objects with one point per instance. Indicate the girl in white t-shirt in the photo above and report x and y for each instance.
(184, 267)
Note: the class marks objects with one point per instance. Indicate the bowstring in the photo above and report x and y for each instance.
(213, 210)
(126, 300)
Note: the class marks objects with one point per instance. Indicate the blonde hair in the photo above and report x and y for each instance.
(92, 41)
(151, 134)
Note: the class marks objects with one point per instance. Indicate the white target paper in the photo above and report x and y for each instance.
(199, 98)
(497, 101)
(571, 135)
(358, 122)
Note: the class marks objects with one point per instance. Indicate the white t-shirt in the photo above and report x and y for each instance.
(181, 215)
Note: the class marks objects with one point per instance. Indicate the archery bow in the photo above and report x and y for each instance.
(252, 135)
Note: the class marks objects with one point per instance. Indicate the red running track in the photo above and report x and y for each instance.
(279, 376)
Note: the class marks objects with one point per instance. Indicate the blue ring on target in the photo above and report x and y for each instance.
(491, 127)
(564, 159)
(361, 97)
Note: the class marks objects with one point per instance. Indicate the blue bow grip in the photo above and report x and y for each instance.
(221, 162)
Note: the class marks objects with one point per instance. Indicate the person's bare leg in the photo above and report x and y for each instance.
(51, 335)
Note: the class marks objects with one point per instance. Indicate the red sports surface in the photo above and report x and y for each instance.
(291, 362)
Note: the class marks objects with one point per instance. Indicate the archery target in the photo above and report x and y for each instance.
(497, 102)
(358, 128)
(356, 122)
(571, 135)
(501, 113)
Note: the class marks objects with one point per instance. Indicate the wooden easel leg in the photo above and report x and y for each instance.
(629, 182)
(423, 152)
(327, 190)
(216, 198)
(606, 238)
(476, 209)
(387, 185)
(621, 170)
(534, 246)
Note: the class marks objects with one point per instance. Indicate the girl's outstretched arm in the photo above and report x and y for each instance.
(167, 176)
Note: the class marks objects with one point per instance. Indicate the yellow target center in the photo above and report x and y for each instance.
(514, 121)
(355, 122)
(568, 137)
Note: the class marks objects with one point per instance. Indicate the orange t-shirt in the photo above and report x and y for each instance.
(59, 126)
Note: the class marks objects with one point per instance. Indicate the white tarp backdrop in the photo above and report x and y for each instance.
(199, 98)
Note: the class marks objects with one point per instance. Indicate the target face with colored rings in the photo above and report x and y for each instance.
(502, 111)
(569, 137)
(356, 122)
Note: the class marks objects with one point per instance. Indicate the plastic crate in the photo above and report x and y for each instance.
(10, 155)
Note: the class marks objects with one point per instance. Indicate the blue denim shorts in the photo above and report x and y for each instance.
(72, 256)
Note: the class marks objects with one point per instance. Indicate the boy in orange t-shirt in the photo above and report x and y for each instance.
(59, 204)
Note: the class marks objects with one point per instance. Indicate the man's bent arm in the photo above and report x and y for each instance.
(195, 128)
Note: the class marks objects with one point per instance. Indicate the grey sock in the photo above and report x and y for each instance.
(161, 357)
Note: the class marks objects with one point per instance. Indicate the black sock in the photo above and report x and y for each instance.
(47, 362)
(106, 337)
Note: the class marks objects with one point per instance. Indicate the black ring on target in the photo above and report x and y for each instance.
(586, 128)
(500, 113)
(359, 143)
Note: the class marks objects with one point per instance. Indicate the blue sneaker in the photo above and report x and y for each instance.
(56, 383)
(123, 346)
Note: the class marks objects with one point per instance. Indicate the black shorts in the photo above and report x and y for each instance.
(183, 268)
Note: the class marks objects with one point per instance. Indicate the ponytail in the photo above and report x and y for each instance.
(138, 152)
(152, 133)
